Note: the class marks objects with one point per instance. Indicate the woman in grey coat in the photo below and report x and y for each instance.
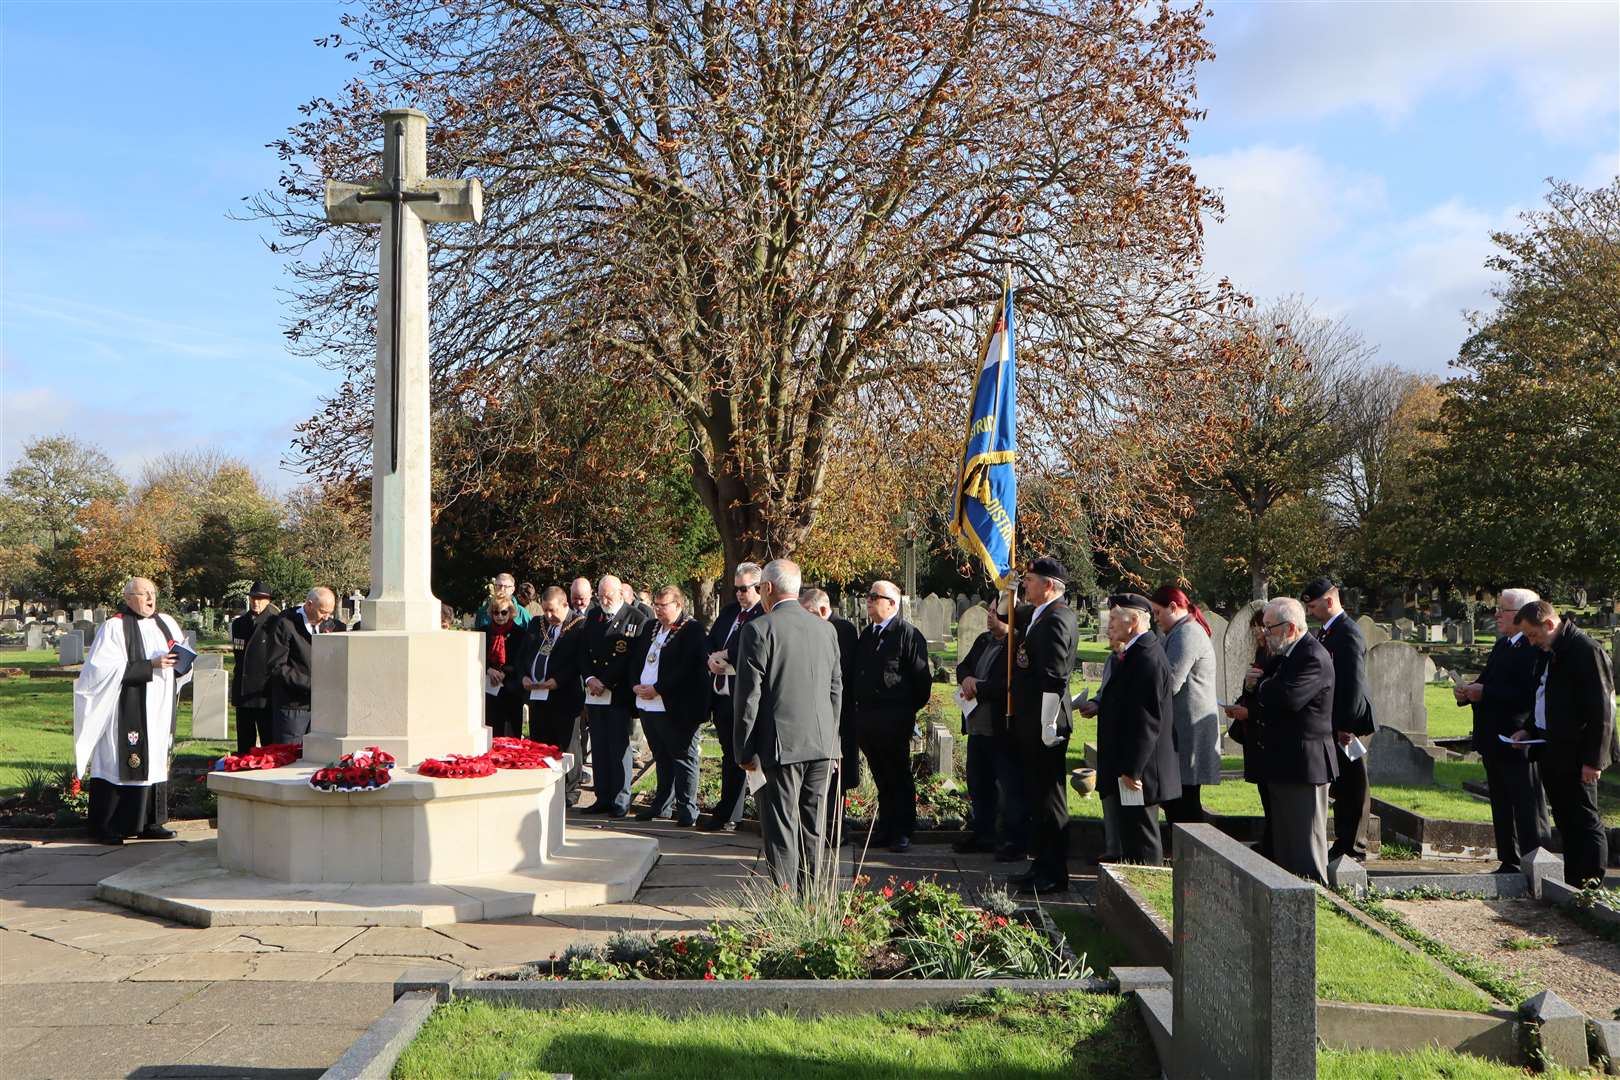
(1192, 683)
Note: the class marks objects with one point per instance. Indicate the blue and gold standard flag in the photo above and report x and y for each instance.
(985, 519)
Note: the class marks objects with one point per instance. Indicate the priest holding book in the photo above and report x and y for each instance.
(123, 717)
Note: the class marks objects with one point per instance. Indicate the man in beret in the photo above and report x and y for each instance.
(1352, 715)
(1136, 749)
(1043, 647)
(250, 674)
(892, 684)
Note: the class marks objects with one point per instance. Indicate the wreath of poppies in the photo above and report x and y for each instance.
(274, 756)
(366, 771)
(524, 754)
(458, 766)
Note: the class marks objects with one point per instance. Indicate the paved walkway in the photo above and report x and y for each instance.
(89, 990)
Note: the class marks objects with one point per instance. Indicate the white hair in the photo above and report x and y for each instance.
(319, 593)
(783, 575)
(888, 589)
(748, 570)
(1287, 609)
(1514, 599)
(1137, 617)
(132, 583)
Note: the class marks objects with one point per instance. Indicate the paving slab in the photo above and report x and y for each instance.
(92, 1005)
(140, 1050)
(298, 939)
(270, 1003)
(385, 969)
(14, 1038)
(209, 967)
(242, 1049)
(400, 941)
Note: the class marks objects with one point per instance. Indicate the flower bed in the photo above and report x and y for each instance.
(899, 930)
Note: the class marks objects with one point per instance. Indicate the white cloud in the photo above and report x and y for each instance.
(1561, 59)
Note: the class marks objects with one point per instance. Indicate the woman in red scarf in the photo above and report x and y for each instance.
(503, 681)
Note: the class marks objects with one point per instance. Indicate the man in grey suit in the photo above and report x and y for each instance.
(789, 691)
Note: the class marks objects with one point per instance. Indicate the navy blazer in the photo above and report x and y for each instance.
(1136, 724)
(1043, 660)
(1507, 694)
(1296, 715)
(1352, 700)
(684, 681)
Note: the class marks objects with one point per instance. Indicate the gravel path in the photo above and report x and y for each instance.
(1578, 965)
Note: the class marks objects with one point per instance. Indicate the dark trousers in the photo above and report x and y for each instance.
(1186, 810)
(792, 816)
(289, 725)
(559, 728)
(995, 782)
(1266, 845)
(733, 782)
(613, 762)
(675, 747)
(1575, 812)
(885, 739)
(1352, 805)
(252, 727)
(1517, 808)
(1299, 833)
(126, 809)
(503, 715)
(1015, 801)
(1045, 771)
(1139, 839)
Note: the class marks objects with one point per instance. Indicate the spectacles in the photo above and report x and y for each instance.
(1274, 625)
(743, 588)
(500, 614)
(878, 596)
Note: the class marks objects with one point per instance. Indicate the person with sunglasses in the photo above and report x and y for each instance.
(724, 637)
(503, 671)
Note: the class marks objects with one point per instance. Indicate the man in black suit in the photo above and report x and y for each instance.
(1503, 698)
(1352, 715)
(819, 604)
(287, 661)
(789, 694)
(724, 637)
(995, 775)
(609, 632)
(1136, 748)
(1574, 712)
(893, 681)
(250, 677)
(1295, 700)
(549, 665)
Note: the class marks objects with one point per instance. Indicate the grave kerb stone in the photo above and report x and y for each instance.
(1244, 964)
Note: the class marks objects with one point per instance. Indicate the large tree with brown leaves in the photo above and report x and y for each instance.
(790, 217)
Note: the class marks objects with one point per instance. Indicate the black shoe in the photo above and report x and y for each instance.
(901, 844)
(616, 814)
(652, 815)
(685, 823)
(107, 838)
(716, 824)
(1045, 886)
(597, 808)
(971, 846)
(1019, 881)
(157, 832)
(1010, 853)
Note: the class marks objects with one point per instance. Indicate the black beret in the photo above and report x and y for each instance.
(1130, 600)
(1318, 588)
(1048, 567)
(260, 589)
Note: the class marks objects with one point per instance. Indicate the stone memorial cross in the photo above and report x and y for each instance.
(403, 202)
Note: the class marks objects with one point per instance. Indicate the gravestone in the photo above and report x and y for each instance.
(1403, 630)
(210, 692)
(1393, 758)
(941, 757)
(1434, 633)
(99, 615)
(1372, 632)
(1466, 632)
(1102, 623)
(1430, 672)
(1580, 597)
(1244, 964)
(208, 661)
(60, 617)
(70, 648)
(191, 640)
(83, 615)
(963, 602)
(1237, 650)
(968, 628)
(1395, 684)
(85, 627)
(34, 636)
(10, 626)
(1453, 633)
(932, 619)
(1217, 641)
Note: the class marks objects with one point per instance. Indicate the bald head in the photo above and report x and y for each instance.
(319, 603)
(579, 594)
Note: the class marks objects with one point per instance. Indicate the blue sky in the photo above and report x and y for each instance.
(1365, 151)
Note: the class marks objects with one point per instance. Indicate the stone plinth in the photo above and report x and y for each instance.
(273, 825)
(415, 694)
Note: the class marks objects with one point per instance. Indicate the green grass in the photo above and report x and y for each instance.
(1447, 800)
(1431, 1064)
(1447, 719)
(1088, 938)
(1065, 1035)
(36, 723)
(1353, 964)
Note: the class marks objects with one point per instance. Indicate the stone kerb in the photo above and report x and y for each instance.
(1245, 963)
(1236, 650)
(1395, 683)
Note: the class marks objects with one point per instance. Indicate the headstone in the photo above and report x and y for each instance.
(1395, 683)
(70, 648)
(1091, 670)
(962, 604)
(99, 615)
(1393, 758)
(1238, 650)
(10, 626)
(969, 626)
(1404, 630)
(1562, 1030)
(1580, 597)
(83, 615)
(34, 636)
(85, 627)
(941, 758)
(1466, 631)
(210, 693)
(1217, 640)
(932, 619)
(1429, 670)
(1345, 873)
(1102, 623)
(61, 617)
(1453, 633)
(208, 661)
(191, 640)
(1244, 964)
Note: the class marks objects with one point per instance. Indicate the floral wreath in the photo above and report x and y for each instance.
(458, 766)
(509, 753)
(367, 771)
(274, 756)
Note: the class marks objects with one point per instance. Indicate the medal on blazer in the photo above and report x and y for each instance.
(1023, 656)
(621, 647)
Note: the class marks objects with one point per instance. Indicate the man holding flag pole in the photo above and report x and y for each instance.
(1040, 648)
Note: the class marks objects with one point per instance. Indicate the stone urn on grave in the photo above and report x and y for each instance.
(421, 850)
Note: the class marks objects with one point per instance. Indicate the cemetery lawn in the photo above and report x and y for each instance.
(1447, 719)
(1353, 964)
(1088, 938)
(1001, 1035)
(36, 725)
(1447, 800)
(1432, 1062)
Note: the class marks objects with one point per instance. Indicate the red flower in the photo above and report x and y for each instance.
(708, 976)
(680, 947)
(888, 893)
(960, 936)
(908, 886)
